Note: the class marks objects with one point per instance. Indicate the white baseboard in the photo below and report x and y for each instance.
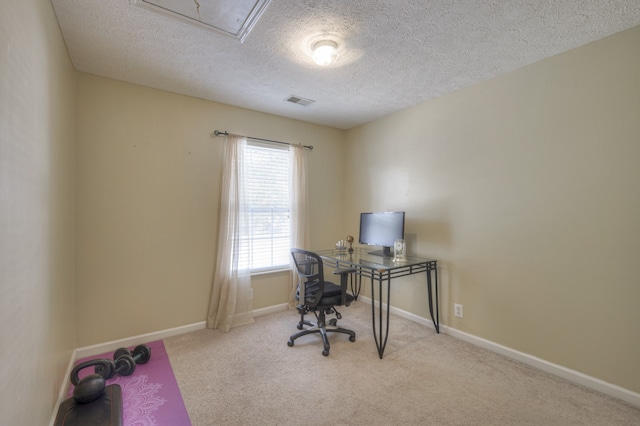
(64, 388)
(136, 340)
(566, 373)
(271, 309)
(100, 348)
(557, 370)
(573, 376)
(404, 314)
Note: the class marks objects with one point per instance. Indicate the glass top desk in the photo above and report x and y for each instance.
(380, 269)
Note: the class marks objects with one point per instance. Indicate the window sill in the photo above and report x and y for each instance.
(258, 272)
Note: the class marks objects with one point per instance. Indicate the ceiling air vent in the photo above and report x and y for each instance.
(299, 100)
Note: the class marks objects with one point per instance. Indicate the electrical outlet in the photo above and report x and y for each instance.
(457, 310)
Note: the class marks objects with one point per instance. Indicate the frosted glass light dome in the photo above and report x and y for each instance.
(325, 52)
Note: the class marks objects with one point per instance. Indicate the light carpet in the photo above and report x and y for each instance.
(250, 376)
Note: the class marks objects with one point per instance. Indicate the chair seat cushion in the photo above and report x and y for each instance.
(330, 289)
(332, 295)
(335, 300)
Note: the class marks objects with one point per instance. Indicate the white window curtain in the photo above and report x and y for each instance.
(230, 303)
(299, 210)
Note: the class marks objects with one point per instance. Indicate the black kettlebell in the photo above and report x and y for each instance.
(91, 387)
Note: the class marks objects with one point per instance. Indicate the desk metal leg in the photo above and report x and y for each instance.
(381, 324)
(356, 283)
(381, 332)
(436, 319)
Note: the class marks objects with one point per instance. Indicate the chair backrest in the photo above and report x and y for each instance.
(310, 270)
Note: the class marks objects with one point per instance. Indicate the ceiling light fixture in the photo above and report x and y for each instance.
(325, 52)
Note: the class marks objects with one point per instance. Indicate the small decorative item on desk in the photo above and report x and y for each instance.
(340, 246)
(399, 251)
(350, 241)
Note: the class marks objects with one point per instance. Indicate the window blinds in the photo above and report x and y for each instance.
(267, 206)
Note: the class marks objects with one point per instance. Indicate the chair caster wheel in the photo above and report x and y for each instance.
(299, 326)
(290, 343)
(333, 322)
(352, 338)
(325, 352)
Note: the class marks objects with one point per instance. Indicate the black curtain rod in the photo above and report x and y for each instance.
(225, 133)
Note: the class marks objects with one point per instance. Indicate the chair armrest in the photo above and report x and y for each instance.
(343, 281)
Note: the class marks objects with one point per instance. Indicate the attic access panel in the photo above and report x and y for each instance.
(234, 18)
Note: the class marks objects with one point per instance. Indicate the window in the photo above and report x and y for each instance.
(266, 207)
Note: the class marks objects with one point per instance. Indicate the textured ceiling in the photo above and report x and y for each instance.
(392, 54)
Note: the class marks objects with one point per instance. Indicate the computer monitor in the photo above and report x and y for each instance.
(381, 229)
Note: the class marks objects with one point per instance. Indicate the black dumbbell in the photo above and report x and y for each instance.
(90, 388)
(125, 361)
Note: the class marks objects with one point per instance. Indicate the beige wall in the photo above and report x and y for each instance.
(37, 137)
(148, 188)
(523, 187)
(526, 188)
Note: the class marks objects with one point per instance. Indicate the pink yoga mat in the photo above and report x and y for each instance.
(150, 396)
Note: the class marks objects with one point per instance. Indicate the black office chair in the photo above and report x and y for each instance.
(320, 297)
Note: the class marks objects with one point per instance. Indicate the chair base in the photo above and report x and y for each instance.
(322, 328)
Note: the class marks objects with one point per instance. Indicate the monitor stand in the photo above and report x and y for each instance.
(385, 252)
